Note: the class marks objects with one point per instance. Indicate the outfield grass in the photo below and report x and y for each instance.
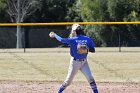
(52, 65)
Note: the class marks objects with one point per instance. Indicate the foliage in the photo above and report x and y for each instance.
(89, 10)
(52, 11)
(2, 4)
(3, 14)
(110, 10)
(126, 10)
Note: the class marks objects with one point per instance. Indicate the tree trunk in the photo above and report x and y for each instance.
(19, 37)
(19, 32)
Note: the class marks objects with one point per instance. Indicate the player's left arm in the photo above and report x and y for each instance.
(91, 46)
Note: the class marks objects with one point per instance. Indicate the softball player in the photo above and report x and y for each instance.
(80, 45)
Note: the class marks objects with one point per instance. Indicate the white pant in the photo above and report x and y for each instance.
(73, 69)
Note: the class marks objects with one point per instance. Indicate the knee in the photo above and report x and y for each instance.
(66, 83)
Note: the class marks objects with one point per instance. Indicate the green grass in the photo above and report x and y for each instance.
(52, 65)
(118, 67)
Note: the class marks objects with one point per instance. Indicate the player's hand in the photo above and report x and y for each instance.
(51, 34)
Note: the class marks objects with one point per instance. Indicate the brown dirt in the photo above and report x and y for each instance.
(76, 87)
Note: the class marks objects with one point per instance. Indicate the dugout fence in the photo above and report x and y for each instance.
(35, 35)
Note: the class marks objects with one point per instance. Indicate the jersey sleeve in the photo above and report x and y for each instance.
(63, 40)
(91, 44)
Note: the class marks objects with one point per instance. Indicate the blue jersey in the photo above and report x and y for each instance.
(73, 42)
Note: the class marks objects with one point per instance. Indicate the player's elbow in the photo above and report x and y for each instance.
(64, 40)
(92, 50)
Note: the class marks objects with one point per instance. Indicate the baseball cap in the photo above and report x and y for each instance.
(75, 26)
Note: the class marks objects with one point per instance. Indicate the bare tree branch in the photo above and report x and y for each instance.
(26, 4)
(26, 8)
(23, 3)
(14, 5)
(12, 10)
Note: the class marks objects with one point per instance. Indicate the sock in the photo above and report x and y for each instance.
(94, 87)
(95, 90)
(61, 89)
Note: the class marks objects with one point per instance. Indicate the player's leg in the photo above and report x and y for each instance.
(86, 71)
(73, 69)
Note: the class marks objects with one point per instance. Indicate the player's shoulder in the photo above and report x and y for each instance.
(80, 37)
(72, 38)
(88, 38)
(84, 36)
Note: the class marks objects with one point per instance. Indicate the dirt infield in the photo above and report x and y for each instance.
(76, 87)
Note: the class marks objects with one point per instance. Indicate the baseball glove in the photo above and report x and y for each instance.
(82, 49)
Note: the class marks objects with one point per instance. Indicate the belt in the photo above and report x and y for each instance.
(79, 59)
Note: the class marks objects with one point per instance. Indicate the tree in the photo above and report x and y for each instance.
(3, 15)
(2, 4)
(94, 10)
(19, 10)
(52, 10)
(110, 10)
(126, 10)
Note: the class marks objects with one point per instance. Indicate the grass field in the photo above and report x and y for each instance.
(52, 65)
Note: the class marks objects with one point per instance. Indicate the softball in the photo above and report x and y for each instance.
(52, 32)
